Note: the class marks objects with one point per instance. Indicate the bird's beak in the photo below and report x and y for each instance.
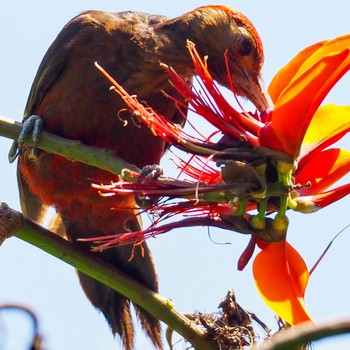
(257, 94)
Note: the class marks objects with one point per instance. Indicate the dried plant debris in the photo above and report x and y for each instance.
(231, 328)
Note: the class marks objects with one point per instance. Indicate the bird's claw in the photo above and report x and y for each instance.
(31, 126)
(150, 172)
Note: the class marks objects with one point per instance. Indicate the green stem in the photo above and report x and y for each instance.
(284, 171)
(295, 337)
(72, 150)
(283, 205)
(100, 158)
(258, 220)
(160, 307)
(240, 210)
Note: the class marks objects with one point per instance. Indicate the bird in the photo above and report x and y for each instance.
(73, 101)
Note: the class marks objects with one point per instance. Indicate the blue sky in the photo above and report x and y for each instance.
(194, 272)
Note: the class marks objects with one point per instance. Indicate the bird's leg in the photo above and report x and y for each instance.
(149, 172)
(33, 126)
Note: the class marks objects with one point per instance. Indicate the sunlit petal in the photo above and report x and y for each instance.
(305, 60)
(323, 170)
(328, 125)
(328, 47)
(313, 203)
(281, 276)
(331, 196)
(286, 74)
(296, 105)
(298, 270)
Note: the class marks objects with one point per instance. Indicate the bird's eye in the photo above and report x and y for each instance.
(245, 47)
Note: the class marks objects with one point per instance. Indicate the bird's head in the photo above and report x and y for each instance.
(219, 29)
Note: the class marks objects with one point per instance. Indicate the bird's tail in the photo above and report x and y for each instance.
(114, 306)
(138, 264)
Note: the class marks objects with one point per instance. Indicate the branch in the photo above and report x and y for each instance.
(13, 223)
(296, 337)
(103, 159)
(72, 150)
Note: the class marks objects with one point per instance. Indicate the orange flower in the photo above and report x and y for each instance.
(298, 90)
(301, 129)
(283, 161)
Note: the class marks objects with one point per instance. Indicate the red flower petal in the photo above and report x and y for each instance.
(286, 74)
(329, 197)
(298, 103)
(303, 61)
(323, 170)
(329, 47)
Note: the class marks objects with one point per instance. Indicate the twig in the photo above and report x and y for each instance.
(72, 150)
(326, 250)
(293, 338)
(160, 307)
(100, 158)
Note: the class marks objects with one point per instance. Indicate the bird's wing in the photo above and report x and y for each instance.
(31, 205)
(52, 65)
(48, 72)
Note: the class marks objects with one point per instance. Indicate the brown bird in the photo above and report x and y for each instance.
(73, 100)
